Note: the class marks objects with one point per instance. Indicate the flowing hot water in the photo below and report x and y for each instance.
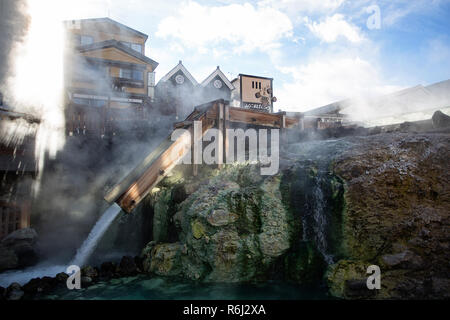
(81, 257)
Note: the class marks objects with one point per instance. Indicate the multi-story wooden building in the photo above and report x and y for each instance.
(109, 79)
(17, 169)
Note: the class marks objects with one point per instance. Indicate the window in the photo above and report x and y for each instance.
(131, 74)
(85, 40)
(138, 75)
(89, 102)
(135, 46)
(125, 73)
(253, 84)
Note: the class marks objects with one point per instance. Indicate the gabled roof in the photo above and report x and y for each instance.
(179, 67)
(116, 44)
(216, 73)
(118, 24)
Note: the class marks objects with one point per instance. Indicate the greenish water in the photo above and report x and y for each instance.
(145, 288)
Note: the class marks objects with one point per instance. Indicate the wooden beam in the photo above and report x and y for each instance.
(220, 125)
(226, 125)
(155, 173)
(120, 188)
(157, 166)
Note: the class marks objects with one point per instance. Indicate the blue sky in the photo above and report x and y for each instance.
(317, 52)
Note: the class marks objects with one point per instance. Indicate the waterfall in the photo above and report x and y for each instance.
(88, 246)
(320, 220)
(315, 218)
(81, 257)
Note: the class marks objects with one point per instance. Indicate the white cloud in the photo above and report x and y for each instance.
(306, 6)
(334, 27)
(328, 79)
(243, 28)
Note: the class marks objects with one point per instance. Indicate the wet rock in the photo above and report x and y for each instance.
(86, 281)
(17, 250)
(221, 217)
(227, 234)
(161, 216)
(8, 259)
(440, 120)
(166, 259)
(107, 269)
(39, 285)
(405, 259)
(127, 266)
(139, 261)
(14, 292)
(89, 272)
(62, 277)
(357, 289)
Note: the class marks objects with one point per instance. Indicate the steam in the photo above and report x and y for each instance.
(32, 77)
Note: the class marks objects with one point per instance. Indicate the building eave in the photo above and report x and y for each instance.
(118, 24)
(182, 68)
(219, 73)
(116, 44)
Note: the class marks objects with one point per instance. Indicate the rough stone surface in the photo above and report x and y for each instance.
(17, 250)
(14, 292)
(397, 214)
(440, 120)
(387, 199)
(230, 230)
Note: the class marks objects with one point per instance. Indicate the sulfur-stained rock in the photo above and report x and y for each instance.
(220, 217)
(166, 259)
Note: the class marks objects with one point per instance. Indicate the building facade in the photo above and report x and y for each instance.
(253, 92)
(177, 92)
(18, 169)
(109, 81)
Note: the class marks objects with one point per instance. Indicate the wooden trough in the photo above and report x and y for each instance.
(135, 187)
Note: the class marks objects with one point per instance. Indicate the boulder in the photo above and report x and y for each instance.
(221, 217)
(86, 281)
(226, 233)
(166, 259)
(107, 269)
(90, 272)
(17, 250)
(39, 285)
(14, 292)
(8, 259)
(440, 120)
(405, 259)
(127, 266)
(62, 277)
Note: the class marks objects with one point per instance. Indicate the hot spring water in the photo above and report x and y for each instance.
(81, 257)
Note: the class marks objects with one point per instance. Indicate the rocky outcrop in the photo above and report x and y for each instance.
(18, 249)
(440, 120)
(336, 208)
(233, 229)
(397, 207)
